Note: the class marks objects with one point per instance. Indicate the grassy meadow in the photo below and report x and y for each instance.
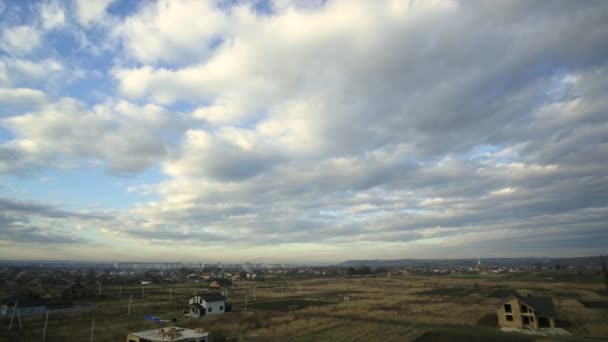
(403, 308)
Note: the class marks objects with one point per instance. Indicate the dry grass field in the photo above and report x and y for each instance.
(433, 308)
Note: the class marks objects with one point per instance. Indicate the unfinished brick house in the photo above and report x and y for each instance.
(517, 311)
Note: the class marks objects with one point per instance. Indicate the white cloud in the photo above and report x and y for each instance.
(91, 12)
(19, 40)
(47, 74)
(121, 136)
(22, 97)
(503, 191)
(52, 15)
(230, 154)
(174, 31)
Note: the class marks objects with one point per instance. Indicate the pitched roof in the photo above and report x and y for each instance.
(212, 297)
(544, 305)
(507, 298)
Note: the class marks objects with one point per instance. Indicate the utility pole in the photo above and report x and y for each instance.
(605, 270)
(18, 313)
(10, 325)
(46, 320)
(92, 329)
(130, 300)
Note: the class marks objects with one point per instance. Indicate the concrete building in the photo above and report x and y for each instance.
(210, 303)
(174, 334)
(517, 311)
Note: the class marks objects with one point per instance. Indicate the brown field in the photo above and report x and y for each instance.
(405, 308)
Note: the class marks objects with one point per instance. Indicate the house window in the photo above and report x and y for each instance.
(210, 309)
(524, 308)
(531, 319)
(507, 307)
(509, 318)
(221, 307)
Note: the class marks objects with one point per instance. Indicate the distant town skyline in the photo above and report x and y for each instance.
(302, 131)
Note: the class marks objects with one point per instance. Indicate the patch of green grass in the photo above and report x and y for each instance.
(449, 291)
(566, 295)
(288, 304)
(489, 320)
(361, 332)
(594, 304)
(500, 293)
(471, 335)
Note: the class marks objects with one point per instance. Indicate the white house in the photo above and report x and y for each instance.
(209, 303)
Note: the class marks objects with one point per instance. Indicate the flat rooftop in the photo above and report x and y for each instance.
(154, 334)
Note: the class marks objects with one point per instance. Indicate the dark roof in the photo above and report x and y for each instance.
(71, 286)
(544, 305)
(212, 296)
(24, 301)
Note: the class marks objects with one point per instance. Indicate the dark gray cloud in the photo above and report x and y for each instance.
(29, 222)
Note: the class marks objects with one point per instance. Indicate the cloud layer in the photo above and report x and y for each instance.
(333, 130)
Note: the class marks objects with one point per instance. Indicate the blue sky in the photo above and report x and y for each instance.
(302, 131)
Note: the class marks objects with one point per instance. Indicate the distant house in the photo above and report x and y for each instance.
(27, 305)
(219, 283)
(517, 311)
(73, 290)
(214, 285)
(36, 282)
(210, 303)
(174, 334)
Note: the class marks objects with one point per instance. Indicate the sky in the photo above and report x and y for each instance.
(302, 131)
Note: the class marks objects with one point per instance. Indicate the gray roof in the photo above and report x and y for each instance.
(212, 296)
(544, 305)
